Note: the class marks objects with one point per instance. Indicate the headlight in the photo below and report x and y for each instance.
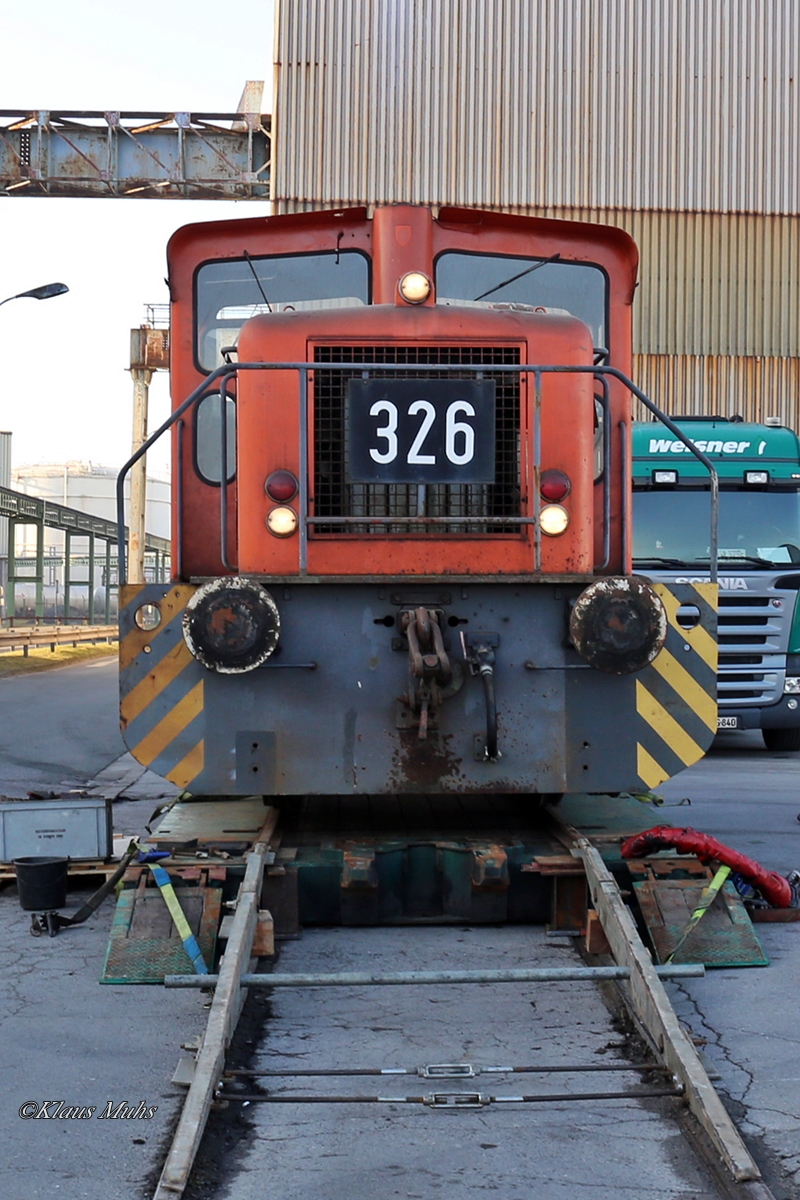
(282, 521)
(414, 287)
(618, 625)
(553, 519)
(231, 625)
(792, 684)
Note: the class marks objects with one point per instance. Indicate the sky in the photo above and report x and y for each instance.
(67, 394)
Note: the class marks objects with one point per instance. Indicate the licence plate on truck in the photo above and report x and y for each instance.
(727, 722)
(421, 430)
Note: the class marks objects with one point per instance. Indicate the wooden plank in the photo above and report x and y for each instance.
(264, 939)
(653, 1011)
(228, 999)
(724, 938)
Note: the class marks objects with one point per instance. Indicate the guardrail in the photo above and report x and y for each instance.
(219, 379)
(55, 635)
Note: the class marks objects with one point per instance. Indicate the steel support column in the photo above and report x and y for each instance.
(67, 573)
(90, 582)
(141, 377)
(108, 582)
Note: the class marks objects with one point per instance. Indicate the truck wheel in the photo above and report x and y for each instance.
(781, 739)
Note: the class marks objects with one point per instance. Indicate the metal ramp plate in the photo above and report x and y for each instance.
(217, 821)
(669, 890)
(144, 944)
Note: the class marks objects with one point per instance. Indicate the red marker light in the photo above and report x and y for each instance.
(554, 485)
(281, 486)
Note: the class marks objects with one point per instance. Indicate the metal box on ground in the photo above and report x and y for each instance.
(75, 829)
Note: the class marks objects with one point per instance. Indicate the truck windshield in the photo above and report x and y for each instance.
(552, 285)
(756, 529)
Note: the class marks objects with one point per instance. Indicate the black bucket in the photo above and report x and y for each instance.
(41, 883)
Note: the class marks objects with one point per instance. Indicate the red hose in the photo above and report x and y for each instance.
(773, 887)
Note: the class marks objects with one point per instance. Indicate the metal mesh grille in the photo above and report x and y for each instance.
(335, 496)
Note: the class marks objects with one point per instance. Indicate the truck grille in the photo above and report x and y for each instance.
(751, 669)
(334, 496)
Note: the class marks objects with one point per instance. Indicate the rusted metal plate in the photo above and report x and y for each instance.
(213, 821)
(724, 937)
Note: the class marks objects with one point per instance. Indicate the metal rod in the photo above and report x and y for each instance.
(537, 469)
(223, 474)
(178, 549)
(544, 1069)
(393, 368)
(431, 1100)
(193, 398)
(303, 497)
(401, 978)
(449, 520)
(605, 404)
(625, 514)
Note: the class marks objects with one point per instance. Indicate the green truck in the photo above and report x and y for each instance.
(759, 555)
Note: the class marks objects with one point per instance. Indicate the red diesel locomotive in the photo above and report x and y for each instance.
(401, 519)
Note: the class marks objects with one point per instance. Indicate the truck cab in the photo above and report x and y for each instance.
(759, 555)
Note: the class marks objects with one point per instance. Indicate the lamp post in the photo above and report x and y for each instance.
(7, 576)
(40, 293)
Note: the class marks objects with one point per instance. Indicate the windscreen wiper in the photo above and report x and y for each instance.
(667, 562)
(723, 563)
(514, 278)
(259, 284)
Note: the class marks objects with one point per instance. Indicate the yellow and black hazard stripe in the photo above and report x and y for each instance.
(161, 686)
(676, 696)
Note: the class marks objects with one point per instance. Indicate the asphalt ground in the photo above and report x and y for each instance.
(749, 798)
(560, 1150)
(65, 1038)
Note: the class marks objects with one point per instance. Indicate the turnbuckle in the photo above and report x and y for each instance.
(456, 1100)
(448, 1071)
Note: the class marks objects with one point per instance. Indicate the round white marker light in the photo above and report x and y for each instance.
(553, 519)
(282, 522)
(414, 287)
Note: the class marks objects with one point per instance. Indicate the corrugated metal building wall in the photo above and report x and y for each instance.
(678, 120)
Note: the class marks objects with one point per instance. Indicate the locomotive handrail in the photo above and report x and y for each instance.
(223, 374)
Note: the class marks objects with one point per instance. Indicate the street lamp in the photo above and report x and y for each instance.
(40, 293)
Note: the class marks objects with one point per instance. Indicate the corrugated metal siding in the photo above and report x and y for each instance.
(682, 105)
(710, 284)
(700, 385)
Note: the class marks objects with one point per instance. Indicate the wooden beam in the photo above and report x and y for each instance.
(652, 1009)
(229, 997)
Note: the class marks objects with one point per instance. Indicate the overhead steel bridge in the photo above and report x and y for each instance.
(181, 155)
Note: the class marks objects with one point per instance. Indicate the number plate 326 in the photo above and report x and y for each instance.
(421, 431)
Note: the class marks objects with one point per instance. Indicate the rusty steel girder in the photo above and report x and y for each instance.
(183, 156)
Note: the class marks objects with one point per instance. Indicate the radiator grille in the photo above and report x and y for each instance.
(751, 632)
(334, 496)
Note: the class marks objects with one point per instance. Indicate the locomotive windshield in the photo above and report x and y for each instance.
(491, 279)
(228, 293)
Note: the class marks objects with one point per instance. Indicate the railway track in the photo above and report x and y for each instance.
(363, 1038)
